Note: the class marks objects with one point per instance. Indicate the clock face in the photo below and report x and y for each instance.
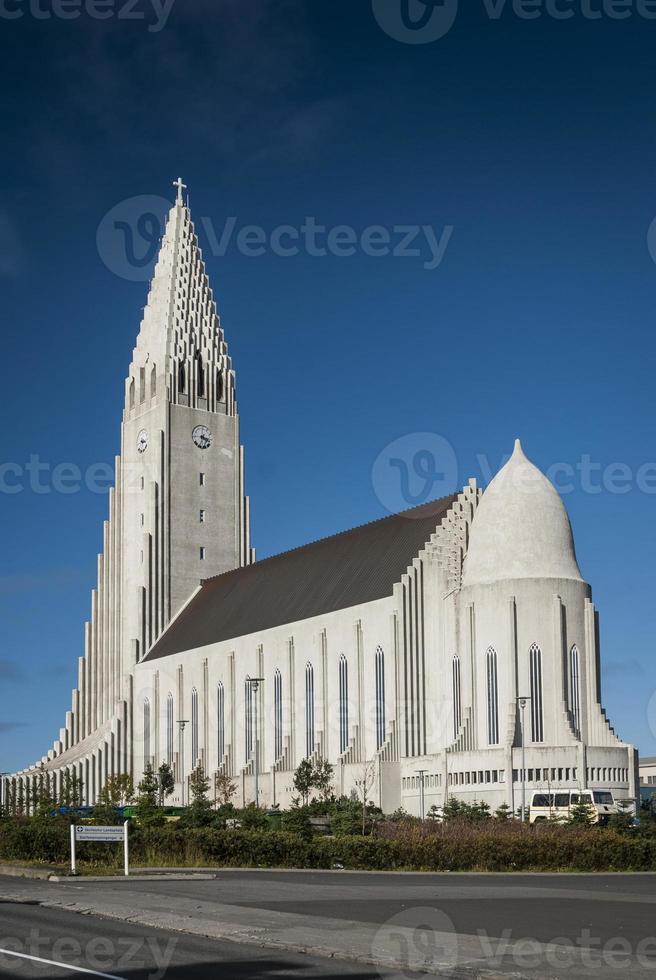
(142, 441)
(202, 437)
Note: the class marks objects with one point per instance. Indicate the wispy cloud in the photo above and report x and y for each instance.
(11, 726)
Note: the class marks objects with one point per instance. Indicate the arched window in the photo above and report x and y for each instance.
(535, 667)
(220, 722)
(182, 378)
(574, 689)
(343, 704)
(380, 697)
(146, 731)
(194, 727)
(309, 710)
(248, 719)
(492, 697)
(456, 682)
(277, 714)
(169, 729)
(200, 376)
(219, 386)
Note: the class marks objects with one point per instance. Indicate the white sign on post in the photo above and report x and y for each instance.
(108, 835)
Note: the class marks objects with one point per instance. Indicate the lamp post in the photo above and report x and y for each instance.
(181, 725)
(254, 685)
(422, 804)
(522, 699)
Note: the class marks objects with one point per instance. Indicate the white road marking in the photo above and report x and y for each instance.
(63, 966)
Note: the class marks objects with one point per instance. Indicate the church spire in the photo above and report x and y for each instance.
(181, 349)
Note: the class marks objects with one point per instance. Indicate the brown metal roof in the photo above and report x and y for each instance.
(344, 570)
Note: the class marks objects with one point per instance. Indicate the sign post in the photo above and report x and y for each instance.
(106, 835)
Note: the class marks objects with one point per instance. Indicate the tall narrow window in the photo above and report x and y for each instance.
(153, 381)
(277, 714)
(456, 682)
(194, 727)
(202, 479)
(248, 719)
(201, 554)
(132, 393)
(169, 729)
(182, 379)
(492, 697)
(202, 516)
(219, 386)
(200, 376)
(343, 704)
(146, 731)
(220, 722)
(309, 710)
(574, 689)
(380, 697)
(535, 667)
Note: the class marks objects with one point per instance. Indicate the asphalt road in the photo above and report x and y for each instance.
(539, 907)
(546, 926)
(132, 952)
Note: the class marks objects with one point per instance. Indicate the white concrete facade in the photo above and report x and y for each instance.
(426, 679)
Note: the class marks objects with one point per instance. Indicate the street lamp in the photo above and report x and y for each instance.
(522, 699)
(422, 804)
(181, 725)
(254, 685)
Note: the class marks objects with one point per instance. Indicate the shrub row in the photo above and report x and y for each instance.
(486, 848)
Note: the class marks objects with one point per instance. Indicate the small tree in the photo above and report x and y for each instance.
(224, 788)
(322, 778)
(200, 811)
(43, 801)
(304, 780)
(581, 814)
(118, 790)
(166, 781)
(146, 809)
(364, 786)
(503, 813)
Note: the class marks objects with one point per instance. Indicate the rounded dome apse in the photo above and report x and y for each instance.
(521, 529)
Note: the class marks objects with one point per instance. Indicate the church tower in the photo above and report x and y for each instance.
(177, 512)
(184, 516)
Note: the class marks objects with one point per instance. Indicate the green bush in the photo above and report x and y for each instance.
(458, 845)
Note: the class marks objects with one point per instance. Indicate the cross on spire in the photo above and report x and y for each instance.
(178, 183)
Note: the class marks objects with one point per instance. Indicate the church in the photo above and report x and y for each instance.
(451, 650)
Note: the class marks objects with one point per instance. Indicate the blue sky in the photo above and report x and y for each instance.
(532, 140)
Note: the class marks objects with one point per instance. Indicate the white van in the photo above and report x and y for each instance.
(558, 805)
